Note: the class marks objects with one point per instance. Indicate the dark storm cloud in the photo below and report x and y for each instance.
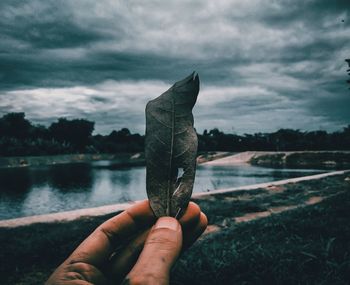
(286, 12)
(44, 24)
(262, 64)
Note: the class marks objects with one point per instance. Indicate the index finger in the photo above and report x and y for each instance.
(98, 247)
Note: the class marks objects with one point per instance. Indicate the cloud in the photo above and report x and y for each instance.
(112, 104)
(262, 64)
(117, 104)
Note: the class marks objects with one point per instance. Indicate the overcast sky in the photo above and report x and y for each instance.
(263, 64)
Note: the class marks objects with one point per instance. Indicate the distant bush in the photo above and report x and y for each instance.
(281, 140)
(18, 136)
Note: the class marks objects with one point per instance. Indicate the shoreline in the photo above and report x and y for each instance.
(267, 228)
(115, 208)
(116, 159)
(119, 159)
(337, 159)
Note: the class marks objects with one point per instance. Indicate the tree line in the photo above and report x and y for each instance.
(19, 136)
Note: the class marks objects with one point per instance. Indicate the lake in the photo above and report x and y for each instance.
(49, 189)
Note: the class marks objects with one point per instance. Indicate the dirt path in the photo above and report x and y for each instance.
(242, 157)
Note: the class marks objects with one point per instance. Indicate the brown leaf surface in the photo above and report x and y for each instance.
(171, 147)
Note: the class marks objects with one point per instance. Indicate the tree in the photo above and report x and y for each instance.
(121, 136)
(77, 132)
(15, 125)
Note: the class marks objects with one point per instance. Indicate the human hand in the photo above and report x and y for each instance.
(131, 245)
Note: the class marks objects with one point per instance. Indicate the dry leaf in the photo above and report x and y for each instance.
(171, 148)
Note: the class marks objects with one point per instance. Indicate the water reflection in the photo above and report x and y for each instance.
(220, 177)
(30, 191)
(70, 177)
(120, 181)
(15, 181)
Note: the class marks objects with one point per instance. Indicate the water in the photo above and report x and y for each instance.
(50, 189)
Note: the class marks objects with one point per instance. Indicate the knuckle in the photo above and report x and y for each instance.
(80, 267)
(146, 279)
(73, 276)
(82, 270)
(164, 240)
(78, 256)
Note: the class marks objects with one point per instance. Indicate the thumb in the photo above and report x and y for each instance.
(160, 252)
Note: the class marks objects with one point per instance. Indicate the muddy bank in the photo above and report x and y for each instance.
(289, 159)
(236, 219)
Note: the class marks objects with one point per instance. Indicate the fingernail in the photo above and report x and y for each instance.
(168, 223)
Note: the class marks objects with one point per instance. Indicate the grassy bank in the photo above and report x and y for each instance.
(309, 244)
(304, 159)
